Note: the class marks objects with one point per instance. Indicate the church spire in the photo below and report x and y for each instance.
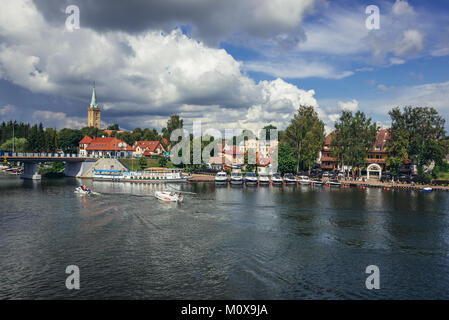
(93, 102)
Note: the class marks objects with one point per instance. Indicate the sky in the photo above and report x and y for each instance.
(231, 64)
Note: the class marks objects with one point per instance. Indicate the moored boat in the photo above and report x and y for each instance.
(289, 178)
(236, 177)
(277, 179)
(150, 175)
(304, 180)
(264, 179)
(251, 179)
(221, 177)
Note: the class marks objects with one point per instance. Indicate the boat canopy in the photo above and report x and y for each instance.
(107, 171)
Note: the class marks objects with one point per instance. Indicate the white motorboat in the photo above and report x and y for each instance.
(172, 196)
(263, 178)
(304, 180)
(81, 190)
(221, 177)
(289, 178)
(317, 183)
(428, 189)
(277, 179)
(236, 177)
(251, 179)
(334, 183)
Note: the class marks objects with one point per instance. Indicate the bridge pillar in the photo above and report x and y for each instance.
(30, 171)
(77, 168)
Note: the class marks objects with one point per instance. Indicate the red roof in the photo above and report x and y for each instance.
(381, 139)
(108, 144)
(109, 132)
(148, 146)
(85, 140)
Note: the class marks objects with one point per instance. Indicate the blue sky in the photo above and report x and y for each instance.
(233, 64)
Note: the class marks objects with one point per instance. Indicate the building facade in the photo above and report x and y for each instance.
(105, 147)
(147, 148)
(376, 157)
(93, 112)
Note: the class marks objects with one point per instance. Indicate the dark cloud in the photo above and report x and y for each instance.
(209, 21)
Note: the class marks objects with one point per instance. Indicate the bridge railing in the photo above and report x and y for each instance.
(41, 155)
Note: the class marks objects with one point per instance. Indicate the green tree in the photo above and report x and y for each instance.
(114, 127)
(162, 161)
(305, 135)
(68, 140)
(20, 145)
(142, 163)
(354, 137)
(398, 148)
(286, 159)
(424, 129)
(175, 122)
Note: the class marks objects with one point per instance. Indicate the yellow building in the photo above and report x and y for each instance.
(93, 112)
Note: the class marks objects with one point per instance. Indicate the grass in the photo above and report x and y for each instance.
(443, 176)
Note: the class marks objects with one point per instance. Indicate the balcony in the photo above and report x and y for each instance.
(377, 161)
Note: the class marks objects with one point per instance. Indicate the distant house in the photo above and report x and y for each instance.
(83, 144)
(147, 148)
(105, 147)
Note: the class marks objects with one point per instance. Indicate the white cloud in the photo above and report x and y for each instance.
(352, 105)
(8, 111)
(58, 120)
(401, 7)
(141, 79)
(411, 42)
(297, 69)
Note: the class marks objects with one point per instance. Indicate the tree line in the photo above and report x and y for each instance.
(416, 134)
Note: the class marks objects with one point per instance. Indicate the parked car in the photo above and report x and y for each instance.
(403, 178)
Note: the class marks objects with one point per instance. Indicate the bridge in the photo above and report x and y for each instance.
(75, 164)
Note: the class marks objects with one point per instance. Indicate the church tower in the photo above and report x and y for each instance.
(93, 112)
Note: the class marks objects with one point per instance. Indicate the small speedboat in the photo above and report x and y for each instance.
(251, 179)
(277, 179)
(428, 189)
(317, 183)
(289, 178)
(334, 183)
(169, 196)
(236, 177)
(264, 179)
(80, 190)
(304, 180)
(221, 178)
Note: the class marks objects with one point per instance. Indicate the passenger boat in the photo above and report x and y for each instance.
(171, 196)
(221, 177)
(236, 177)
(150, 175)
(251, 179)
(304, 180)
(264, 179)
(289, 178)
(277, 179)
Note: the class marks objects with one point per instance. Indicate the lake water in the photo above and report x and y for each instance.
(223, 243)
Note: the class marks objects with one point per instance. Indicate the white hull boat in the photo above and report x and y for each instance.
(236, 178)
(264, 179)
(251, 179)
(169, 196)
(290, 179)
(304, 180)
(221, 178)
(277, 179)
